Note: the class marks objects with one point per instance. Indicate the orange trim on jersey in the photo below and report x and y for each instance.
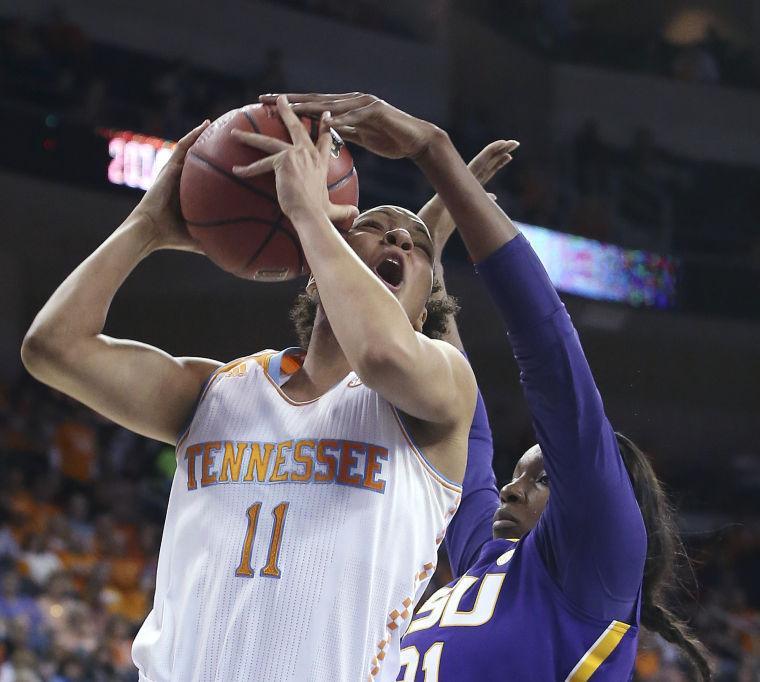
(291, 365)
(212, 378)
(434, 474)
(397, 618)
(278, 388)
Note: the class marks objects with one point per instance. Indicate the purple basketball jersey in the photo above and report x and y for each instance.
(506, 620)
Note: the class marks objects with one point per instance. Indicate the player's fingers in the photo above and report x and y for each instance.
(493, 150)
(258, 141)
(339, 213)
(337, 106)
(324, 141)
(258, 167)
(348, 133)
(189, 139)
(491, 158)
(298, 133)
(351, 118)
(294, 97)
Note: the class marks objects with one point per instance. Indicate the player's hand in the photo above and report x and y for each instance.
(159, 207)
(300, 168)
(367, 121)
(489, 161)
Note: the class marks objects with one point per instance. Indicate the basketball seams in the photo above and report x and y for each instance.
(252, 121)
(228, 221)
(341, 181)
(296, 243)
(232, 176)
(279, 224)
(272, 232)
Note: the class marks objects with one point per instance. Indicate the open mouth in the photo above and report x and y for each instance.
(391, 271)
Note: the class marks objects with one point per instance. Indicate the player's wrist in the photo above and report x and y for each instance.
(306, 216)
(143, 229)
(435, 139)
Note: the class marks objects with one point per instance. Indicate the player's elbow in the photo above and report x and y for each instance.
(32, 353)
(40, 353)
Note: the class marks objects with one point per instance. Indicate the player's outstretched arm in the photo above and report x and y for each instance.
(369, 323)
(384, 130)
(471, 526)
(488, 161)
(138, 386)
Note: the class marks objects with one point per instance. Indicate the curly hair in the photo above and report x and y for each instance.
(441, 311)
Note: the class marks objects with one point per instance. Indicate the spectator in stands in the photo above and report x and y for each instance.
(16, 605)
(38, 559)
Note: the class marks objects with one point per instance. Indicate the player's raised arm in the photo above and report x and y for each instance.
(371, 326)
(471, 527)
(134, 384)
(392, 133)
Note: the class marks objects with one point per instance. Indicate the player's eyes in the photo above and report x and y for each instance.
(543, 480)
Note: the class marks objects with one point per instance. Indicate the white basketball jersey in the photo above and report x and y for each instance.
(298, 536)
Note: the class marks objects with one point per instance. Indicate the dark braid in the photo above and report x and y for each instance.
(663, 544)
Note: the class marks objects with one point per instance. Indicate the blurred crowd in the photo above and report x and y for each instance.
(561, 31)
(82, 504)
(56, 66)
(638, 195)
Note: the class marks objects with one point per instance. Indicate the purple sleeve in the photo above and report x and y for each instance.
(591, 535)
(471, 526)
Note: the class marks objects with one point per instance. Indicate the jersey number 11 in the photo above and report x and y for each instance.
(271, 570)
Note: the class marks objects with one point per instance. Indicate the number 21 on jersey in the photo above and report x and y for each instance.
(442, 609)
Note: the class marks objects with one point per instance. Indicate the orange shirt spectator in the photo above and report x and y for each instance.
(76, 447)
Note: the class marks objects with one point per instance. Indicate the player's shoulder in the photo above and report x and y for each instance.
(259, 358)
(242, 365)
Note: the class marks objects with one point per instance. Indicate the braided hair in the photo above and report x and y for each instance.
(663, 544)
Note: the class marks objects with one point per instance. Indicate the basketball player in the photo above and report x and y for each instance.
(552, 586)
(304, 520)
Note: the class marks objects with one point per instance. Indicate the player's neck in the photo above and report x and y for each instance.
(324, 366)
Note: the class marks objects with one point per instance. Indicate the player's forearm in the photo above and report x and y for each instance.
(367, 320)
(438, 220)
(559, 386)
(483, 225)
(471, 525)
(77, 310)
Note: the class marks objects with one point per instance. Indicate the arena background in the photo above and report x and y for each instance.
(640, 128)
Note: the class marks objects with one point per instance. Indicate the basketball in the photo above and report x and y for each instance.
(238, 222)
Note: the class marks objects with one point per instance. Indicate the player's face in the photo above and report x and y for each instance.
(524, 498)
(397, 247)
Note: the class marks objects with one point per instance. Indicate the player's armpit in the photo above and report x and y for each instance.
(134, 384)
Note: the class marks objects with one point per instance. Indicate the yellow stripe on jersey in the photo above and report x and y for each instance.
(599, 652)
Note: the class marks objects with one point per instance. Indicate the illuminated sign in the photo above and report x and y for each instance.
(576, 265)
(604, 272)
(136, 159)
